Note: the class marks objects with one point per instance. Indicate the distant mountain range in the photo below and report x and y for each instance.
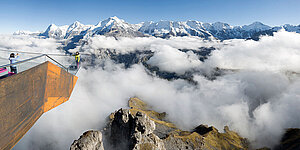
(116, 27)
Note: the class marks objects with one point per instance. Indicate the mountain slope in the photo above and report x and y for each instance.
(76, 28)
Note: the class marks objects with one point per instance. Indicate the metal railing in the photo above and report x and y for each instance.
(62, 66)
(33, 58)
(26, 52)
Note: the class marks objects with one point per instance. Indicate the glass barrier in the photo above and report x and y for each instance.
(27, 61)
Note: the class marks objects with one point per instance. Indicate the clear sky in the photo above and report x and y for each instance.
(36, 15)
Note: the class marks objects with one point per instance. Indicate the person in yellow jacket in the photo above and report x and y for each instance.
(77, 59)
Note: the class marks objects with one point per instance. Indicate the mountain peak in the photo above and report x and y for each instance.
(257, 23)
(110, 21)
(55, 27)
(257, 26)
(221, 26)
(114, 18)
(76, 23)
(52, 25)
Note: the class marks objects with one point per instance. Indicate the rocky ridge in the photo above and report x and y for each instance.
(290, 140)
(90, 140)
(142, 128)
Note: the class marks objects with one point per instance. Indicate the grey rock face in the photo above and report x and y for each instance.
(133, 130)
(290, 140)
(90, 140)
(140, 128)
(174, 143)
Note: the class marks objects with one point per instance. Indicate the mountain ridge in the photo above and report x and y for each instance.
(114, 26)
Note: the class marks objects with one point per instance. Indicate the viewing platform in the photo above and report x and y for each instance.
(25, 96)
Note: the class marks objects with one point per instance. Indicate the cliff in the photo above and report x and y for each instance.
(142, 128)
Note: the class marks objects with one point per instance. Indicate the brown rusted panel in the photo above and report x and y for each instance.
(59, 87)
(24, 97)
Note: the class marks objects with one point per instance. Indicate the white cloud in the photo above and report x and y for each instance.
(125, 44)
(29, 43)
(172, 60)
(225, 101)
(280, 52)
(259, 101)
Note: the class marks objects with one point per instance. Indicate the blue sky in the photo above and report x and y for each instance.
(36, 15)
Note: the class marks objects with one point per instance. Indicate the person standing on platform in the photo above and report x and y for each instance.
(77, 59)
(13, 59)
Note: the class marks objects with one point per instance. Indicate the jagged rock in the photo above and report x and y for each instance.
(90, 140)
(223, 141)
(133, 130)
(203, 129)
(183, 140)
(140, 128)
(202, 137)
(205, 138)
(290, 140)
(162, 126)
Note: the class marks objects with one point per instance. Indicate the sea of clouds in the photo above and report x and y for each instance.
(259, 99)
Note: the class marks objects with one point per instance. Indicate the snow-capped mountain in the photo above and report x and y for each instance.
(116, 27)
(171, 28)
(22, 32)
(291, 28)
(256, 26)
(218, 30)
(57, 32)
(76, 28)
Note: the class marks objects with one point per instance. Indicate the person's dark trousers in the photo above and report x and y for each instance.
(13, 69)
(77, 64)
